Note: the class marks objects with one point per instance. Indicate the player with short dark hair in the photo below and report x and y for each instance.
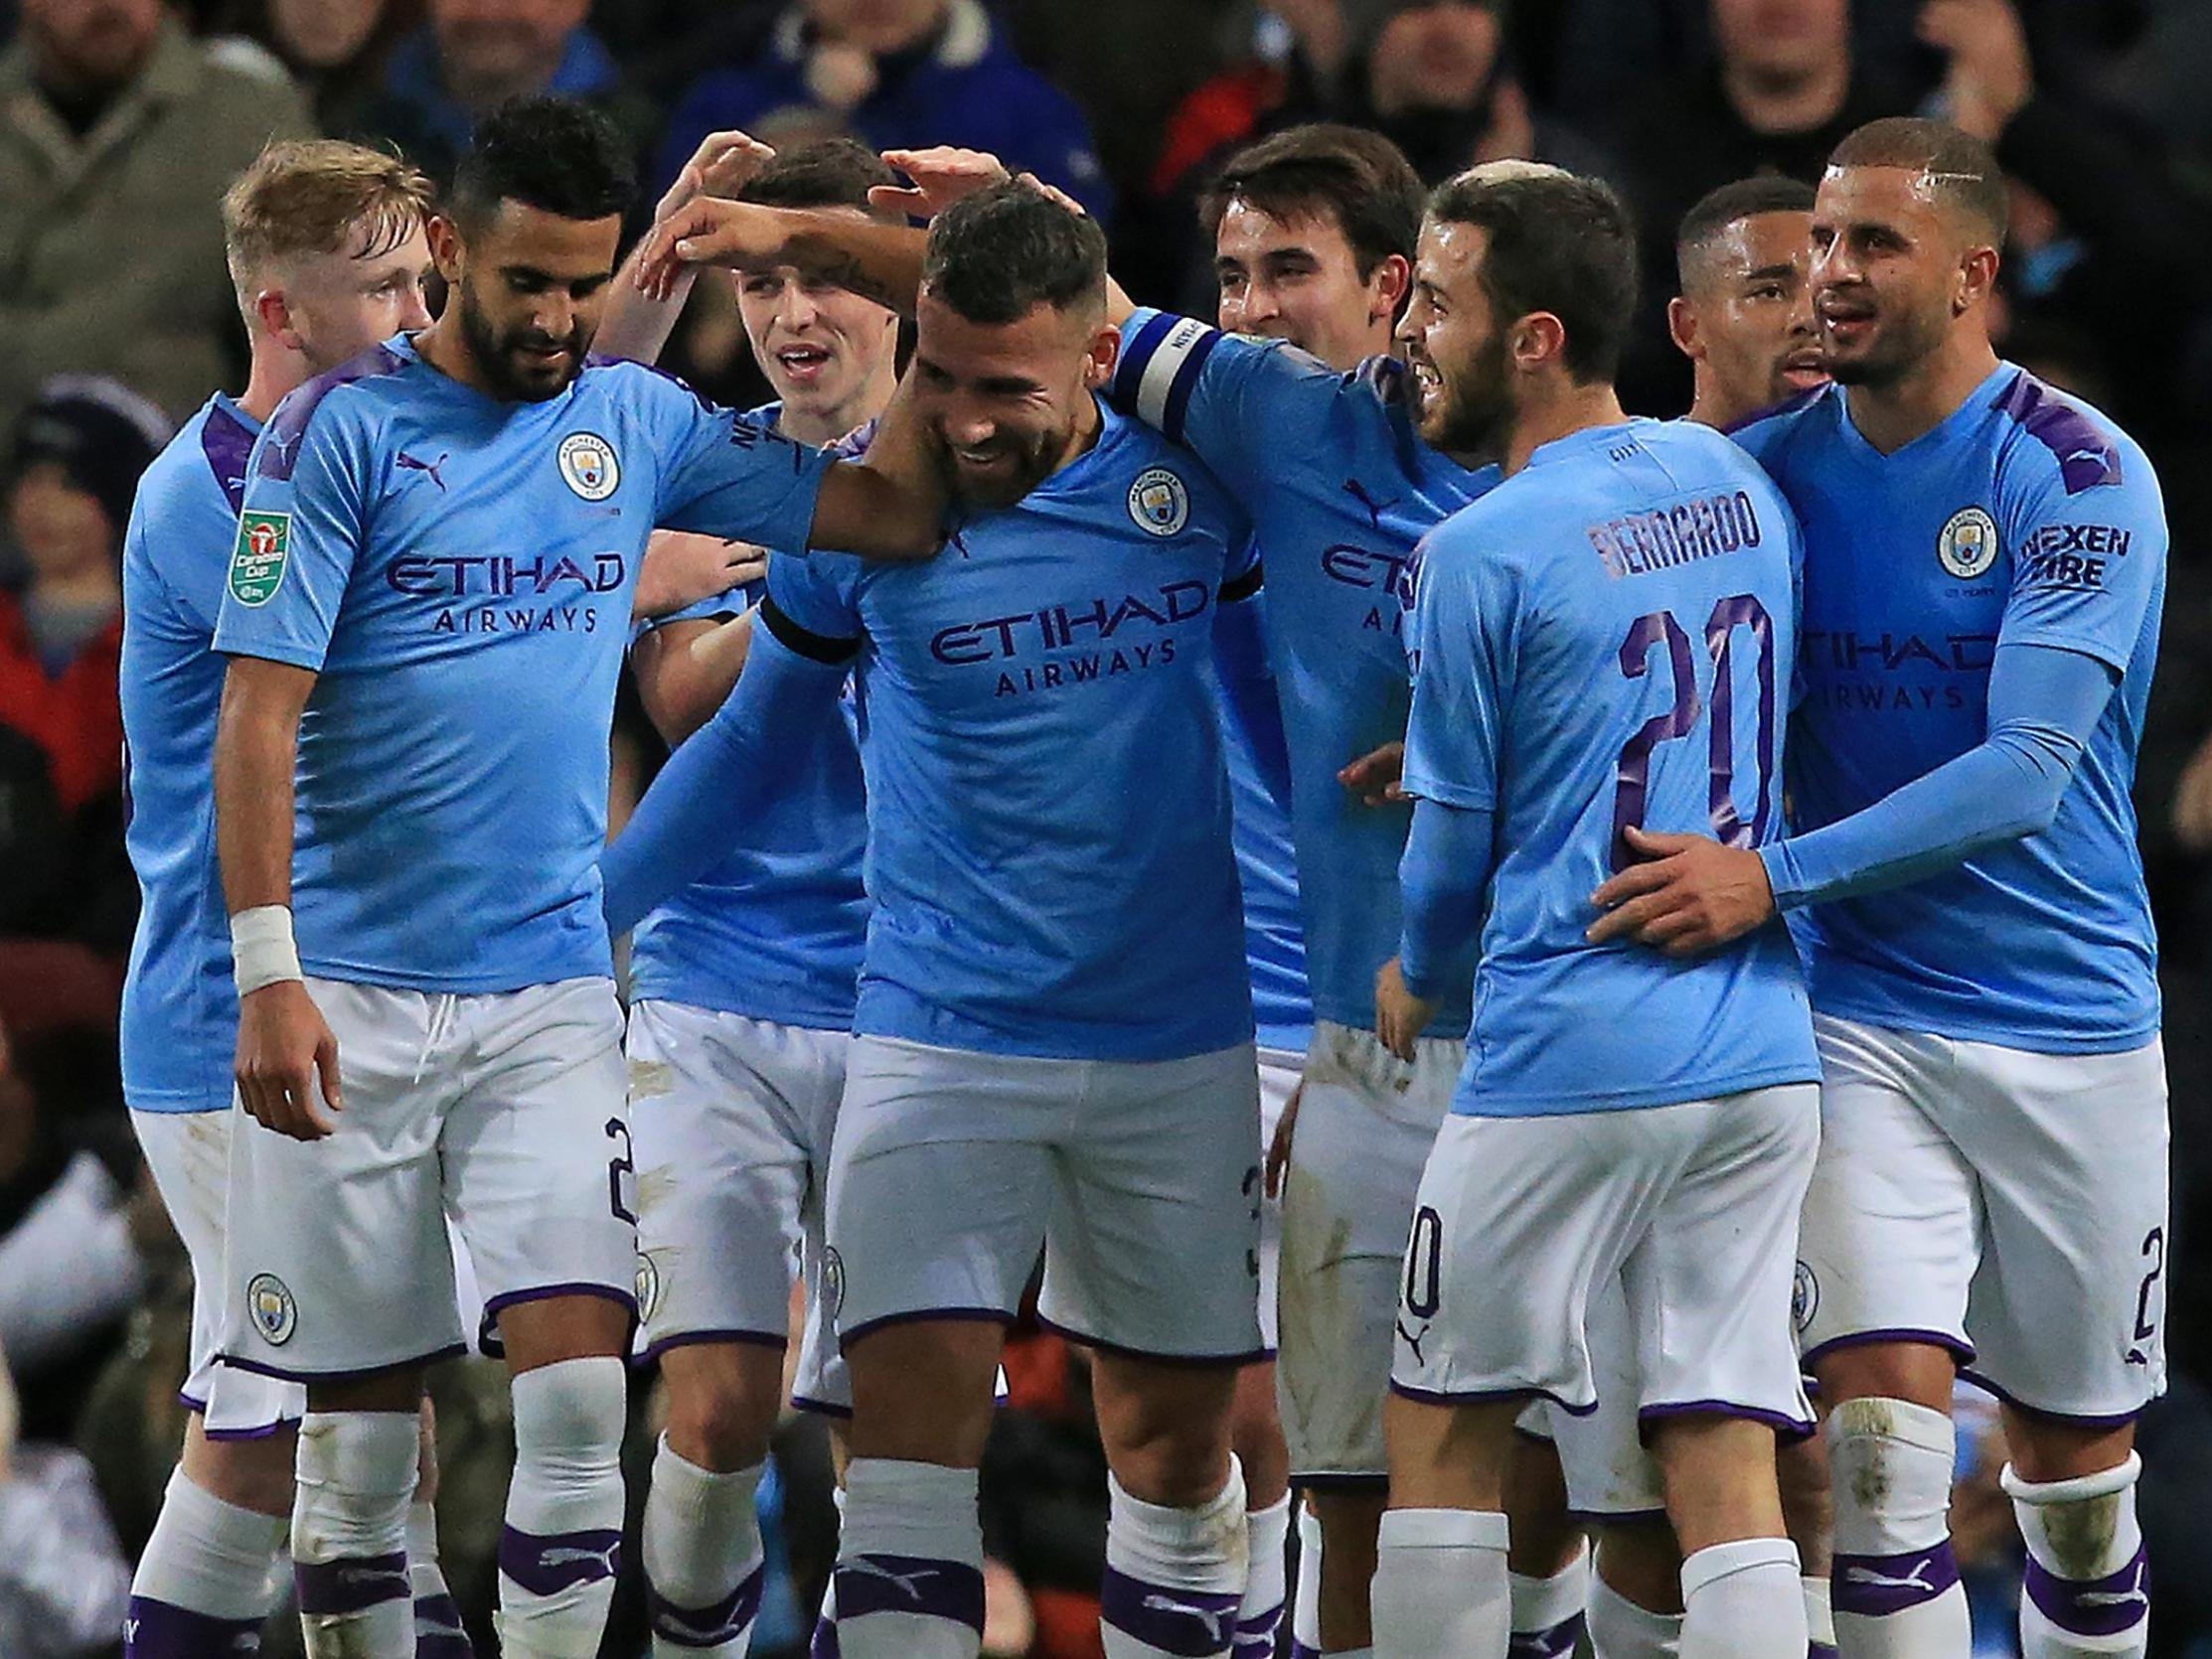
(1985, 567)
(1039, 1060)
(425, 612)
(1597, 645)
(1743, 314)
(742, 996)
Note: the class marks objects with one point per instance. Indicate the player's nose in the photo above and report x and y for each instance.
(415, 310)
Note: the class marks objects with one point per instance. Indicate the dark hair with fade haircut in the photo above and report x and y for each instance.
(1732, 203)
(1357, 176)
(997, 254)
(1963, 170)
(554, 154)
(1557, 243)
(828, 173)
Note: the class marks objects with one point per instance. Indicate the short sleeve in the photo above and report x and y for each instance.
(1233, 400)
(814, 607)
(2088, 560)
(724, 475)
(1463, 628)
(299, 532)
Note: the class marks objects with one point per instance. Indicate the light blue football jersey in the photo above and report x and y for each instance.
(180, 1016)
(1604, 641)
(775, 929)
(461, 570)
(1266, 867)
(2025, 518)
(1048, 848)
(1340, 489)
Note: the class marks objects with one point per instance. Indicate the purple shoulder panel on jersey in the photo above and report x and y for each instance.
(1789, 405)
(289, 423)
(2086, 456)
(227, 443)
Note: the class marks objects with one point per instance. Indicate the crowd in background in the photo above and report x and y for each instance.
(123, 120)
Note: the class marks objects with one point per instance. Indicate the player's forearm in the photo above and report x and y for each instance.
(1442, 880)
(891, 503)
(2044, 704)
(879, 263)
(256, 746)
(685, 671)
(637, 325)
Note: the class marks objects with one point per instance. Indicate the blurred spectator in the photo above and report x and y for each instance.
(896, 75)
(64, 1582)
(475, 55)
(71, 471)
(118, 135)
(1784, 89)
(335, 49)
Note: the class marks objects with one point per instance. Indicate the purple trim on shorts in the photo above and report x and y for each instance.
(702, 1627)
(1195, 1624)
(700, 1338)
(920, 1587)
(493, 1346)
(1782, 1423)
(847, 1336)
(261, 1368)
(1961, 1351)
(1487, 1395)
(821, 1408)
(199, 1409)
(352, 1583)
(1331, 1481)
(2103, 1606)
(547, 1564)
(1250, 1356)
(1876, 1587)
(2082, 1420)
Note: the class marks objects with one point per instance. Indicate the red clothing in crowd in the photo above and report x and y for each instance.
(78, 718)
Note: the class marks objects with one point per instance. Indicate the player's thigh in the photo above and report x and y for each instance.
(336, 1258)
(723, 1110)
(1365, 1123)
(189, 1156)
(2071, 1150)
(539, 1177)
(940, 1181)
(1891, 1229)
(1280, 1076)
(1153, 1245)
(1708, 1287)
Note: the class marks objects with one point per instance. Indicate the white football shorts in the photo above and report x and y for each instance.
(2009, 1206)
(1280, 1072)
(732, 1118)
(505, 1111)
(1139, 1181)
(1693, 1207)
(1611, 1475)
(1365, 1123)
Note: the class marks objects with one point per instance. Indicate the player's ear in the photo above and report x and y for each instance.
(276, 315)
(1536, 341)
(1681, 328)
(446, 247)
(1388, 284)
(1100, 355)
(1977, 279)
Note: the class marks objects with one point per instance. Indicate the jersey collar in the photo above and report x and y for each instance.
(1979, 402)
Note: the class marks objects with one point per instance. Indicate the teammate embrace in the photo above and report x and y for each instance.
(1565, 1086)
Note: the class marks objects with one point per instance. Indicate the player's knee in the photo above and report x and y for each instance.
(253, 1474)
(570, 1418)
(716, 1423)
(1918, 1371)
(1890, 1467)
(1640, 1561)
(1166, 1428)
(2045, 1449)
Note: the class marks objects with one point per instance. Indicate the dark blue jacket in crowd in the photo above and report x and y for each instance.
(963, 87)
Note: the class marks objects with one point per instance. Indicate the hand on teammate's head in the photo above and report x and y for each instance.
(943, 174)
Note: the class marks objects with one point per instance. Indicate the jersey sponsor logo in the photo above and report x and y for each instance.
(1967, 544)
(257, 563)
(2072, 555)
(589, 466)
(269, 1305)
(1804, 1298)
(1667, 536)
(1158, 505)
(501, 578)
(430, 469)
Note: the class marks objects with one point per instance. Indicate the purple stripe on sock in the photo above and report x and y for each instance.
(439, 1631)
(1875, 1586)
(917, 1584)
(824, 1645)
(725, 1621)
(352, 1583)
(1256, 1632)
(1555, 1643)
(1298, 1651)
(1195, 1624)
(1818, 1650)
(157, 1630)
(548, 1565)
(2097, 1608)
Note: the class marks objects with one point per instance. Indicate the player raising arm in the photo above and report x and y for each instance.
(1985, 567)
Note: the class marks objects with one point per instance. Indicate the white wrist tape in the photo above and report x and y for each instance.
(261, 947)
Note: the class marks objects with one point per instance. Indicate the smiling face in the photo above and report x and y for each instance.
(1455, 345)
(529, 288)
(1011, 402)
(821, 346)
(1892, 270)
(340, 303)
(1750, 323)
(1297, 278)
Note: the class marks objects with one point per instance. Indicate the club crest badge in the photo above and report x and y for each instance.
(1159, 503)
(1967, 546)
(648, 1286)
(269, 1305)
(589, 466)
(1805, 1298)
